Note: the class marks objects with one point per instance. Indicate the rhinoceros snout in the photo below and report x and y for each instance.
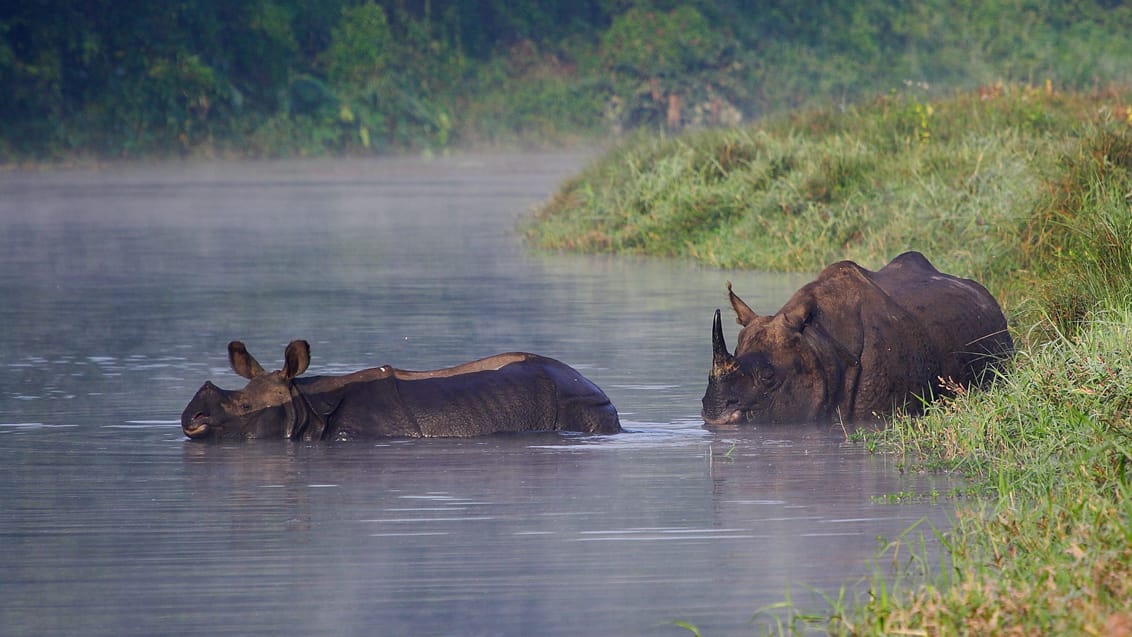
(195, 420)
(197, 426)
(728, 418)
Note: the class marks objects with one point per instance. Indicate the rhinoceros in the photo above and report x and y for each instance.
(510, 392)
(855, 345)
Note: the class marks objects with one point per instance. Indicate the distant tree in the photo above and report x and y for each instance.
(667, 66)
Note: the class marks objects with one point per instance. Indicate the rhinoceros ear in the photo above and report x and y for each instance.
(796, 316)
(242, 362)
(743, 312)
(296, 358)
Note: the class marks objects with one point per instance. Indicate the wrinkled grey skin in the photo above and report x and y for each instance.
(504, 393)
(855, 345)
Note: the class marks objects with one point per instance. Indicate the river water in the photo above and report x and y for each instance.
(120, 288)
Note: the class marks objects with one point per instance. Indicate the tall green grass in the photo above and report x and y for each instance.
(984, 183)
(1076, 249)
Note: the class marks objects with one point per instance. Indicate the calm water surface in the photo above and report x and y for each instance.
(120, 288)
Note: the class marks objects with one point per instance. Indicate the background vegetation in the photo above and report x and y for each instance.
(284, 77)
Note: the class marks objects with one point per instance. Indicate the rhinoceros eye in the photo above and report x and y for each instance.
(765, 375)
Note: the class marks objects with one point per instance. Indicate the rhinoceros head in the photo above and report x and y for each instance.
(268, 407)
(776, 374)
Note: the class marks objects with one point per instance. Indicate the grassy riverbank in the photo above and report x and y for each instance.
(1012, 185)
(1025, 188)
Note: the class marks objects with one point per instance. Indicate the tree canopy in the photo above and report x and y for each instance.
(117, 78)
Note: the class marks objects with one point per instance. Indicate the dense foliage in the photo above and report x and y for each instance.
(284, 77)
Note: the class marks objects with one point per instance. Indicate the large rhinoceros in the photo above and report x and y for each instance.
(504, 393)
(855, 345)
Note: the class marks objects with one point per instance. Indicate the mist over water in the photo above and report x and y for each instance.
(121, 287)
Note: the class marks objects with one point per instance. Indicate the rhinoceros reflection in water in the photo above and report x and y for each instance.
(856, 345)
(504, 393)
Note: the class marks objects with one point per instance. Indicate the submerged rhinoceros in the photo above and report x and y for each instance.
(855, 345)
(504, 393)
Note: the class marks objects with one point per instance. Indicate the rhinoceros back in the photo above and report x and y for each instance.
(525, 393)
(962, 320)
(484, 402)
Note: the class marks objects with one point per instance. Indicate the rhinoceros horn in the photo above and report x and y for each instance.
(722, 362)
